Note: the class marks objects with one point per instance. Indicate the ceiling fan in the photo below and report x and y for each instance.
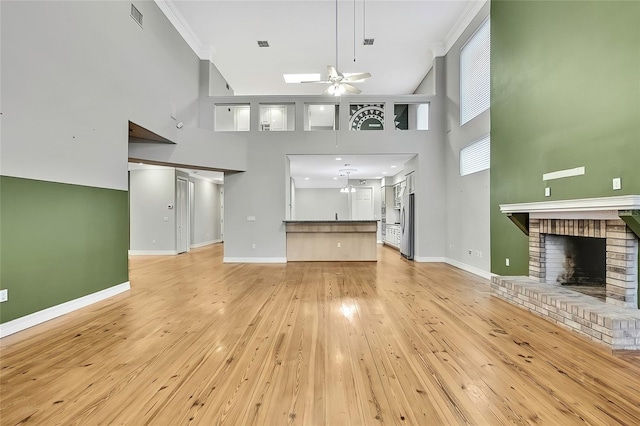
(340, 83)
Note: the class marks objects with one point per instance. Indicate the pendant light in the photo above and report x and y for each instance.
(347, 188)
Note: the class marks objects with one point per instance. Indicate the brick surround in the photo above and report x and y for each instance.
(621, 253)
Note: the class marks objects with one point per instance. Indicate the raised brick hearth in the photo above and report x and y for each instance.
(557, 232)
(604, 323)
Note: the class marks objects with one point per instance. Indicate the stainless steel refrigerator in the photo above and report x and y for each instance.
(407, 220)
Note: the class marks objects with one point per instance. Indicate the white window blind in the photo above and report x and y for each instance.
(476, 157)
(475, 60)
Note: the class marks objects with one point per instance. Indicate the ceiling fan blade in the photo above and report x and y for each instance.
(357, 77)
(324, 81)
(350, 88)
(332, 72)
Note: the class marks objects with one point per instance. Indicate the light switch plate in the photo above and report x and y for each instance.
(617, 184)
(4, 295)
(547, 192)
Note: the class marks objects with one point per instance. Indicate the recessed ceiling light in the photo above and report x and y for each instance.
(306, 178)
(393, 167)
(297, 78)
(321, 107)
(263, 43)
(335, 178)
(378, 177)
(384, 173)
(338, 158)
(141, 163)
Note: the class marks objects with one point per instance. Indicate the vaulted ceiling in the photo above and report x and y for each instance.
(302, 39)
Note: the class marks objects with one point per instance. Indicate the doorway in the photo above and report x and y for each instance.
(182, 215)
(362, 203)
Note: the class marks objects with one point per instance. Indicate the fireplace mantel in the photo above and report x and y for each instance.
(583, 208)
(624, 202)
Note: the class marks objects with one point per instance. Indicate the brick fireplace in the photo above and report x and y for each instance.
(621, 254)
(583, 267)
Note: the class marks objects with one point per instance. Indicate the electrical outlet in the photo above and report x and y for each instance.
(4, 295)
(154, 241)
(506, 261)
(253, 246)
(617, 184)
(547, 192)
(470, 251)
(339, 245)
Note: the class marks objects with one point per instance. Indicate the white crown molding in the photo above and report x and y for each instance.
(623, 202)
(438, 50)
(45, 315)
(462, 23)
(254, 260)
(180, 24)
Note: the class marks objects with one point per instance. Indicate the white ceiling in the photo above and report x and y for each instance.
(301, 34)
(322, 169)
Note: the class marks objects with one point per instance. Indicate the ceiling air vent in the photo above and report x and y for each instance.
(263, 43)
(368, 42)
(136, 15)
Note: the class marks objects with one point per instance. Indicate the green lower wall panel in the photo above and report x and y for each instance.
(59, 242)
(565, 93)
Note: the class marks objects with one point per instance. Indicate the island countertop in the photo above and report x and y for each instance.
(331, 240)
(331, 221)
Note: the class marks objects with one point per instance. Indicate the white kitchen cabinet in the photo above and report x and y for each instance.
(392, 236)
(397, 195)
(411, 183)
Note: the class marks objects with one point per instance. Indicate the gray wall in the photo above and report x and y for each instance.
(150, 194)
(321, 204)
(266, 177)
(467, 204)
(206, 214)
(77, 81)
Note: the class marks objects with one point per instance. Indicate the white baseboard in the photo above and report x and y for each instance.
(254, 260)
(474, 270)
(45, 315)
(152, 252)
(206, 243)
(429, 259)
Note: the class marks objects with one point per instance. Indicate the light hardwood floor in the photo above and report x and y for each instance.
(392, 342)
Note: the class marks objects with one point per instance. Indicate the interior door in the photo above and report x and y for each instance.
(221, 213)
(192, 214)
(182, 215)
(362, 204)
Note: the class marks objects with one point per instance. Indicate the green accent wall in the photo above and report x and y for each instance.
(59, 242)
(565, 92)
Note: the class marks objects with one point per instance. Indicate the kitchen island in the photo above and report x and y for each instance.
(331, 240)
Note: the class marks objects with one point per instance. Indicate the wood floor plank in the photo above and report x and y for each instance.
(197, 341)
